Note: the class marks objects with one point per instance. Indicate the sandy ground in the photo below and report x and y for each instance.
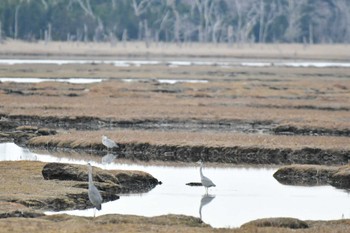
(164, 50)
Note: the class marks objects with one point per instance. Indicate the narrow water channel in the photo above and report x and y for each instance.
(190, 62)
(241, 194)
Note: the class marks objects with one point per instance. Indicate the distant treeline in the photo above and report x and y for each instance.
(179, 21)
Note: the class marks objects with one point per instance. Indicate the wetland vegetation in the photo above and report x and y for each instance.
(242, 115)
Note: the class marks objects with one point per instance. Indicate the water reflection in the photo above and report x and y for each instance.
(108, 158)
(66, 80)
(206, 199)
(127, 63)
(242, 193)
(12, 152)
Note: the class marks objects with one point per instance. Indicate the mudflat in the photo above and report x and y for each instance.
(270, 114)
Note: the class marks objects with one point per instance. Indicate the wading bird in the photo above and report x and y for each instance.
(206, 182)
(94, 195)
(109, 143)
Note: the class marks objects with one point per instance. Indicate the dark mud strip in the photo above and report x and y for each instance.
(303, 107)
(21, 214)
(305, 175)
(111, 182)
(233, 155)
(292, 130)
(79, 123)
(311, 175)
(291, 223)
(239, 126)
(91, 123)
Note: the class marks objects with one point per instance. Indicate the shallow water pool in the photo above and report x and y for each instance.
(241, 194)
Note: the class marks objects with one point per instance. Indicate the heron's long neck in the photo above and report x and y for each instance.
(200, 170)
(90, 175)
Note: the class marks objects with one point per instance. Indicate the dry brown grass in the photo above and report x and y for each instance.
(295, 51)
(168, 223)
(22, 180)
(279, 94)
(302, 102)
(306, 98)
(75, 139)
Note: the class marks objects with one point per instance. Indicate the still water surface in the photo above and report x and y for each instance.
(228, 63)
(241, 193)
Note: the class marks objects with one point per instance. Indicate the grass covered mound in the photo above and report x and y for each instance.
(58, 186)
(297, 174)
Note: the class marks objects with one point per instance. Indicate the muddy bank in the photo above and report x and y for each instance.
(258, 152)
(296, 225)
(53, 186)
(165, 223)
(11, 210)
(111, 181)
(291, 223)
(338, 177)
(105, 223)
(9, 123)
(232, 155)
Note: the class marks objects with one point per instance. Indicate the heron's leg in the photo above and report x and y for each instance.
(94, 212)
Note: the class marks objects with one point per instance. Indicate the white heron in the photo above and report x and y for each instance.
(206, 182)
(109, 143)
(94, 195)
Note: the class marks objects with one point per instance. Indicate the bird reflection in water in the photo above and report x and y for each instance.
(108, 158)
(206, 198)
(110, 144)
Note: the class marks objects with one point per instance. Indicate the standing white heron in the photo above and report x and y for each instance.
(109, 143)
(206, 182)
(94, 195)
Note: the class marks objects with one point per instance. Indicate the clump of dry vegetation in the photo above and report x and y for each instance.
(167, 223)
(36, 185)
(92, 139)
(291, 223)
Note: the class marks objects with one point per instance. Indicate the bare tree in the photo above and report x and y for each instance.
(294, 15)
(140, 8)
(340, 28)
(1, 39)
(147, 34)
(177, 21)
(230, 35)
(85, 6)
(49, 31)
(125, 37)
(16, 20)
(261, 20)
(86, 36)
(114, 5)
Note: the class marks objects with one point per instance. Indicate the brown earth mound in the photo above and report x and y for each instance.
(64, 186)
(314, 175)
